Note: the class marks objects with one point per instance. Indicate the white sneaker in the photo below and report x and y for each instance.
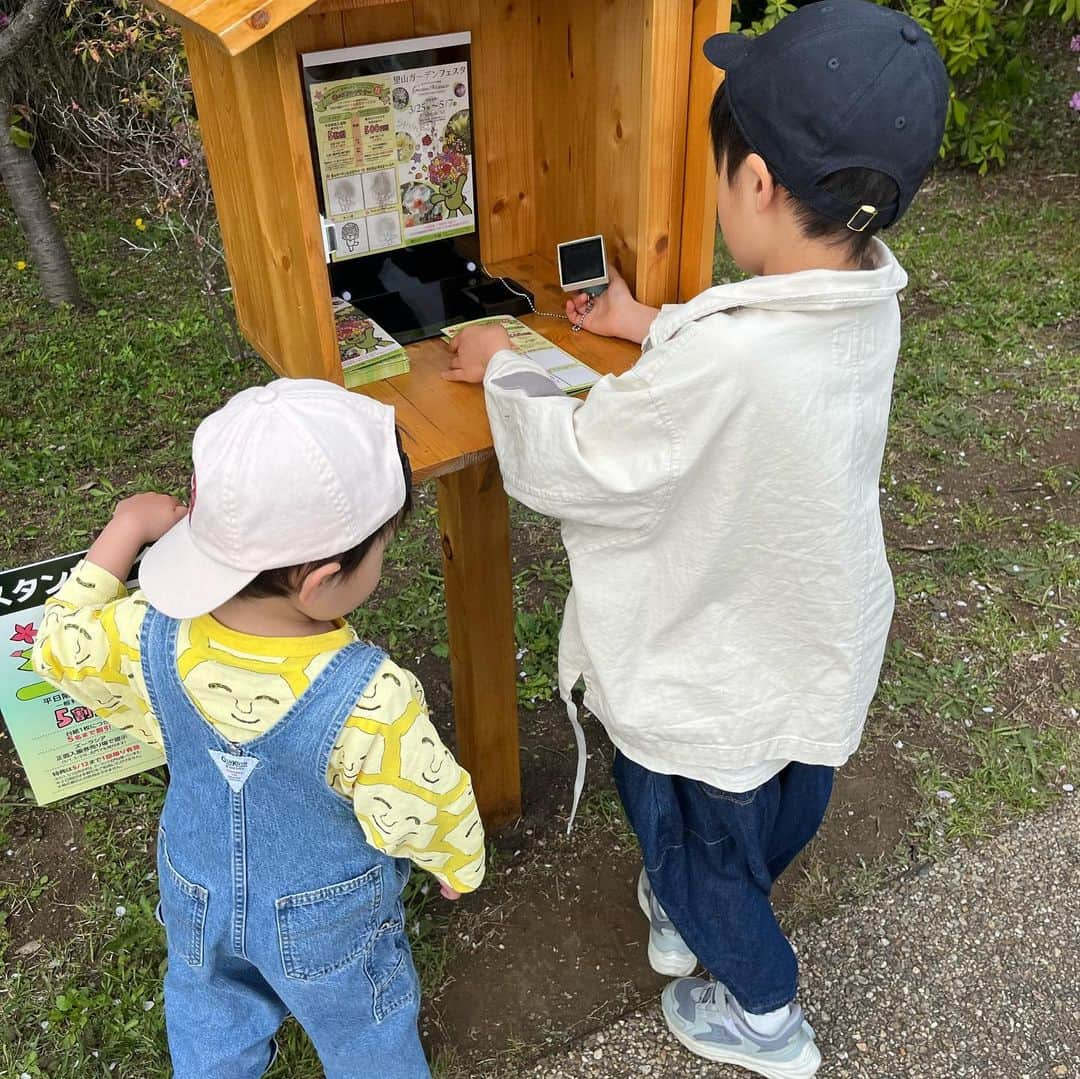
(668, 953)
(705, 1017)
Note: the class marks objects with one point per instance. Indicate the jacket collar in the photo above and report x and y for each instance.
(808, 290)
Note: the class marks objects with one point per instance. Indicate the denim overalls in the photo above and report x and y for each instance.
(272, 900)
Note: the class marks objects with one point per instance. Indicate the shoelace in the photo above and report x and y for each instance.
(707, 996)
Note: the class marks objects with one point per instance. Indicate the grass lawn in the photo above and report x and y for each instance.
(976, 719)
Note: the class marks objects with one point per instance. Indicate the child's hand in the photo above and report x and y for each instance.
(614, 313)
(147, 517)
(471, 351)
(449, 893)
(136, 521)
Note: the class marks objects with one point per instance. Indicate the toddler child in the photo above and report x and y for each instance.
(304, 772)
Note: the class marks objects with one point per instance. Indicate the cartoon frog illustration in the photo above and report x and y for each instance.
(450, 195)
(363, 338)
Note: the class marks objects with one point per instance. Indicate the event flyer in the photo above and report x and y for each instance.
(568, 373)
(368, 352)
(394, 148)
(65, 747)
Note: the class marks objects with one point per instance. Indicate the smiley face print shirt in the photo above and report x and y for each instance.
(410, 796)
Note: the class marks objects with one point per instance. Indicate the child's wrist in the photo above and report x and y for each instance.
(637, 322)
(117, 547)
(126, 529)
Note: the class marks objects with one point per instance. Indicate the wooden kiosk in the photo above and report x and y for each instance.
(589, 117)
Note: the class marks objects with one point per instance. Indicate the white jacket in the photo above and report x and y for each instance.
(719, 507)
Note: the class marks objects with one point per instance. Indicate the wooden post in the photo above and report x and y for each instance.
(697, 250)
(665, 86)
(474, 518)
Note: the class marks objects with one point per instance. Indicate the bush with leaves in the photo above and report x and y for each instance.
(981, 42)
(108, 95)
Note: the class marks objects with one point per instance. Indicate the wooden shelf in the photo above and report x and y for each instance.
(444, 424)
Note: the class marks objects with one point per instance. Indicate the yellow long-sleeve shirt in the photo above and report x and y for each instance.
(410, 796)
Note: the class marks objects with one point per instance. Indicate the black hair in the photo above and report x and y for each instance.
(285, 580)
(857, 186)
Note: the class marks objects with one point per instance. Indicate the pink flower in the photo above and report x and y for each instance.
(1074, 101)
(25, 634)
(184, 162)
(1074, 45)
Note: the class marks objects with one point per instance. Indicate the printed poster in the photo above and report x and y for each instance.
(394, 147)
(65, 747)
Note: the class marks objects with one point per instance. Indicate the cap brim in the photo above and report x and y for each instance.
(727, 51)
(183, 582)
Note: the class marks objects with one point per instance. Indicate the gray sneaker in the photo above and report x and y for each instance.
(668, 953)
(705, 1017)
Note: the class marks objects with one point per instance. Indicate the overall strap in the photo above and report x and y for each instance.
(179, 719)
(309, 728)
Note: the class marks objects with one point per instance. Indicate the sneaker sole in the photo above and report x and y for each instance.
(805, 1066)
(660, 961)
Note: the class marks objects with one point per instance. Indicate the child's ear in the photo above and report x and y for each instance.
(310, 585)
(764, 185)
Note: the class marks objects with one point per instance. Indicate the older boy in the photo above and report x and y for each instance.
(719, 505)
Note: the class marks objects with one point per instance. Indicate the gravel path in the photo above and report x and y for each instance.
(970, 972)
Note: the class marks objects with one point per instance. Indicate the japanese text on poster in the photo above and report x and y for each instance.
(64, 746)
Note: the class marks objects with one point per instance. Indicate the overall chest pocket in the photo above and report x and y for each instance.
(326, 929)
(182, 908)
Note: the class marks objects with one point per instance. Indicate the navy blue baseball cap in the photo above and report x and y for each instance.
(840, 84)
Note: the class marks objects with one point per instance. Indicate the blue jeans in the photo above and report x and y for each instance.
(712, 859)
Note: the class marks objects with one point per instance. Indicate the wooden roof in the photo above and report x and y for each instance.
(235, 24)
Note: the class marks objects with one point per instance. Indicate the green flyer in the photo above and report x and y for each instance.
(65, 747)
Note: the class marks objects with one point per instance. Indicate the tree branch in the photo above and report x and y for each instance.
(19, 31)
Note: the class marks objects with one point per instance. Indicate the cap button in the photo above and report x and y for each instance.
(265, 395)
(909, 34)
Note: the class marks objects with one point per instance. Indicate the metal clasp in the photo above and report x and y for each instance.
(864, 215)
